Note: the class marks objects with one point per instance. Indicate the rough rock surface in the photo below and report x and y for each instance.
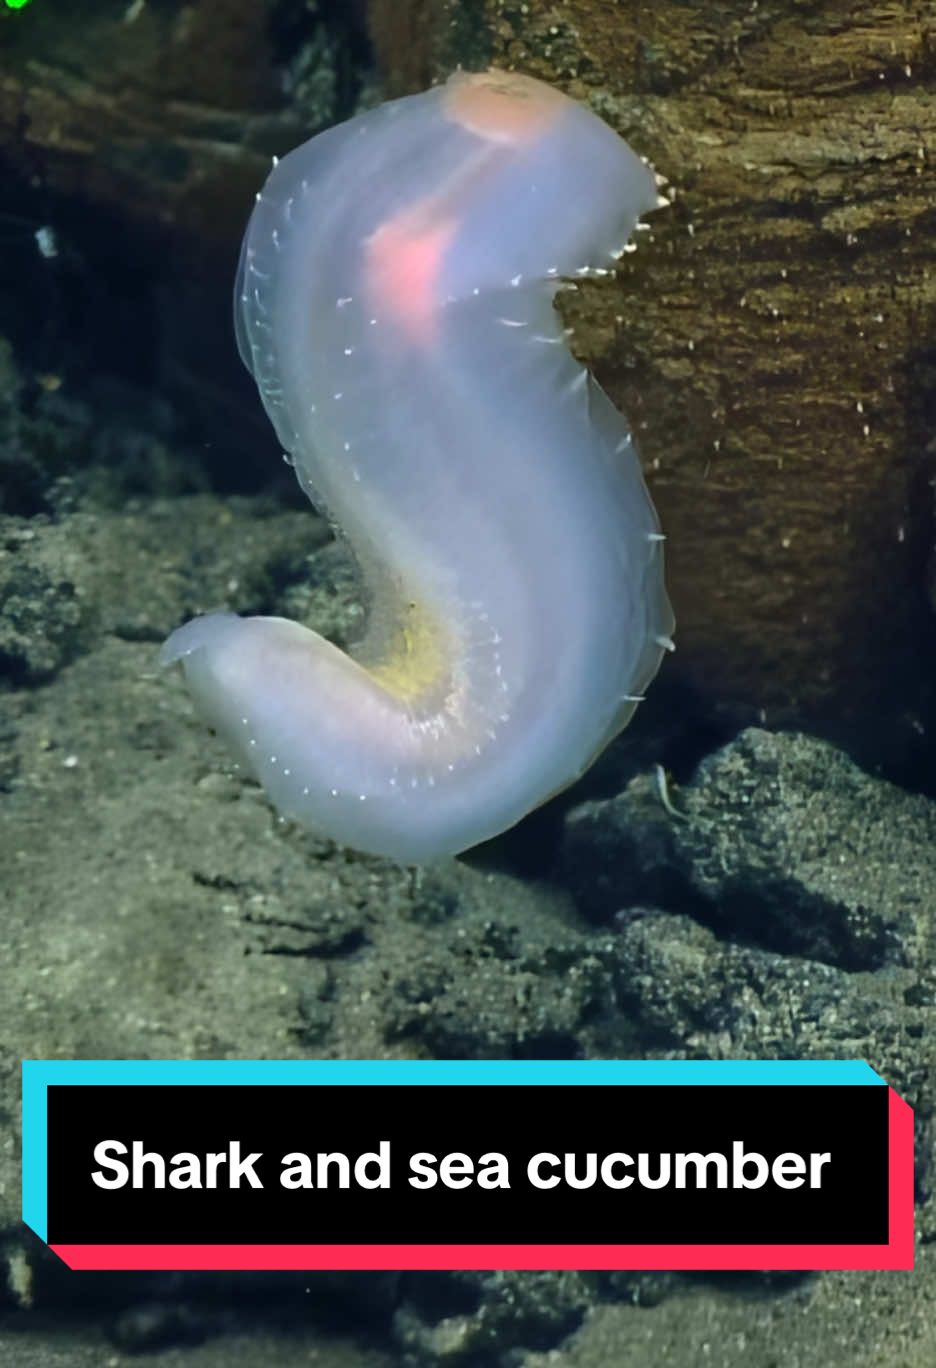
(778, 837)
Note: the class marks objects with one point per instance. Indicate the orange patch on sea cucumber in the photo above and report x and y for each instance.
(502, 106)
(403, 265)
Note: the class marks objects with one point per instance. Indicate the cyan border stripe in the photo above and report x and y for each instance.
(38, 1075)
(35, 1210)
(498, 1072)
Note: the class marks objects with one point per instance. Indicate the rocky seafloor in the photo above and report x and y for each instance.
(772, 901)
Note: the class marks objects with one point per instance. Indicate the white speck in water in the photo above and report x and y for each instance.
(46, 242)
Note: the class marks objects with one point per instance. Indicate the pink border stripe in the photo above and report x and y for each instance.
(407, 1256)
(900, 1161)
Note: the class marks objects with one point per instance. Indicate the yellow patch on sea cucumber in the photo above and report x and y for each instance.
(416, 659)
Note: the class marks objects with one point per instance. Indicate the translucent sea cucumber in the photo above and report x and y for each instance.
(395, 306)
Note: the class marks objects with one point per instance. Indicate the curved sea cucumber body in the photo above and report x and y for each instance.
(395, 306)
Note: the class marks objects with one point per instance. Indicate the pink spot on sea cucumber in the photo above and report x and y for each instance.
(403, 265)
